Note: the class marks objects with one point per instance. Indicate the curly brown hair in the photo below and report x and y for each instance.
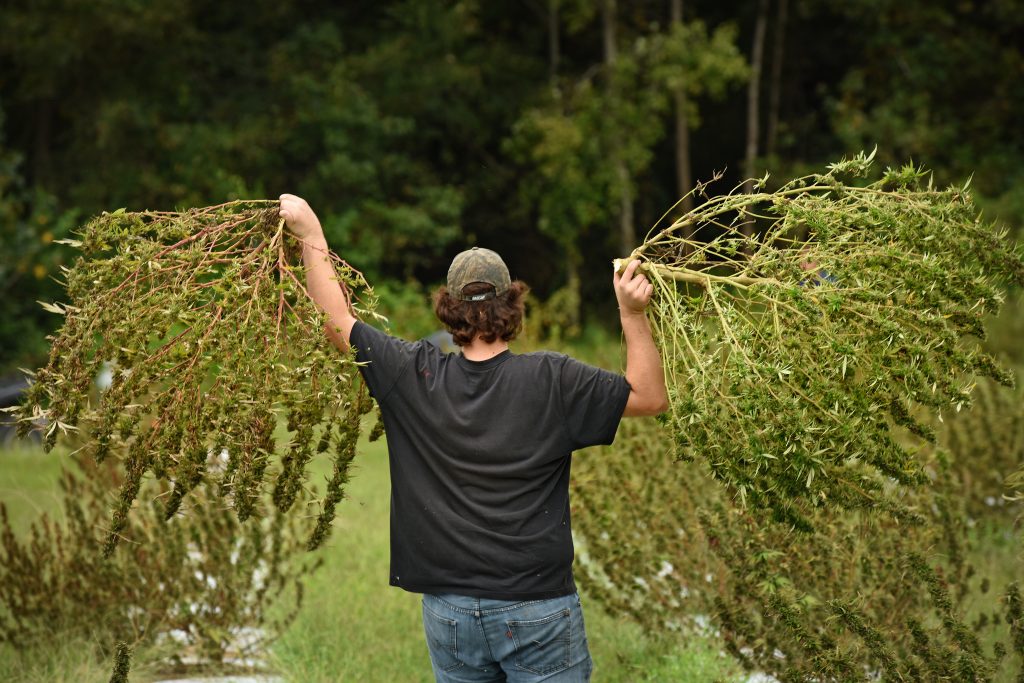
(500, 317)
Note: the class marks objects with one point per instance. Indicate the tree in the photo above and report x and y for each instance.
(907, 70)
(30, 222)
(627, 230)
(566, 142)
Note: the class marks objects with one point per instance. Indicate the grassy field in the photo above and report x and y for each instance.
(353, 626)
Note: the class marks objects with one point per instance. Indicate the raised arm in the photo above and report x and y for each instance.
(646, 378)
(321, 280)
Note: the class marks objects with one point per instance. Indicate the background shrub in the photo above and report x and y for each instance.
(199, 585)
(864, 594)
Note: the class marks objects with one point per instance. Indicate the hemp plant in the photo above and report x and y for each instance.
(806, 332)
(864, 596)
(211, 337)
(986, 445)
(202, 584)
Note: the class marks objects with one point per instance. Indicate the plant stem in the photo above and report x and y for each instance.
(682, 274)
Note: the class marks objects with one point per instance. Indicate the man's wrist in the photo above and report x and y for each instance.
(315, 238)
(632, 314)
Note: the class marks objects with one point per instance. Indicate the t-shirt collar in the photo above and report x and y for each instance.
(480, 365)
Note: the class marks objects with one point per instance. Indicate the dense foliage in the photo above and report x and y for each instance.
(863, 595)
(416, 127)
(815, 337)
(122, 664)
(987, 443)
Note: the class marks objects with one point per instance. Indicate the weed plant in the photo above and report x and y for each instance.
(210, 336)
(811, 335)
(817, 319)
(197, 587)
(864, 594)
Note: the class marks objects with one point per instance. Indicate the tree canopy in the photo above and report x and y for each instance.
(416, 128)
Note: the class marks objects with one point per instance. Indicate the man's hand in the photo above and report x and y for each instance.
(647, 394)
(632, 290)
(300, 218)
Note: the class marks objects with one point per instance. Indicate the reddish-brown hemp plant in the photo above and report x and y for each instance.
(213, 342)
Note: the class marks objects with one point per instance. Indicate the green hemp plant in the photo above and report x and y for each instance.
(864, 596)
(122, 664)
(211, 337)
(201, 586)
(807, 332)
(987, 445)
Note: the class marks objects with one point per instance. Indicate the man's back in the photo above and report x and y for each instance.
(480, 458)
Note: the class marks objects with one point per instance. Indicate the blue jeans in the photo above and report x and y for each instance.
(476, 640)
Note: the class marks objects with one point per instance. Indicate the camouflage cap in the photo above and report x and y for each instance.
(478, 265)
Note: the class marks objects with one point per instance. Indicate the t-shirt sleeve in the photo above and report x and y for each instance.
(384, 357)
(593, 401)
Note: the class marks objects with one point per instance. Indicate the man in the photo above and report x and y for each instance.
(479, 447)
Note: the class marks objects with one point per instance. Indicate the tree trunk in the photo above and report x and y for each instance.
(775, 93)
(754, 95)
(684, 171)
(627, 232)
(575, 306)
(608, 11)
(554, 47)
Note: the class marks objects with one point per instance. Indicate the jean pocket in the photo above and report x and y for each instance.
(543, 645)
(442, 640)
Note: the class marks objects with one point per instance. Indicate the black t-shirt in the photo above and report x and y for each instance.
(480, 457)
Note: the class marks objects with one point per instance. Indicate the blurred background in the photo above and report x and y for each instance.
(557, 132)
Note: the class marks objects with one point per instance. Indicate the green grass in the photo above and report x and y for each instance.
(61, 661)
(353, 626)
(28, 483)
(362, 629)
